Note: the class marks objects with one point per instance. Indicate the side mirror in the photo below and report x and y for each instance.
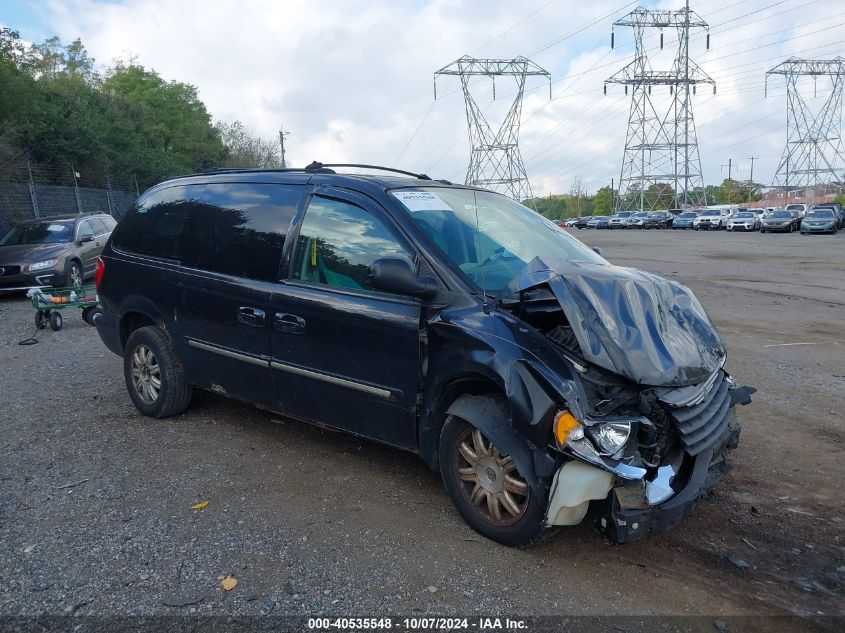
(598, 250)
(392, 274)
(86, 238)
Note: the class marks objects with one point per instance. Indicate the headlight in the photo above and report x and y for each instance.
(47, 263)
(610, 436)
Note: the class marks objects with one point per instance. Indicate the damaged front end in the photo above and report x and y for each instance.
(657, 417)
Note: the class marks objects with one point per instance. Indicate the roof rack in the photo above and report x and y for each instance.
(314, 168)
(315, 165)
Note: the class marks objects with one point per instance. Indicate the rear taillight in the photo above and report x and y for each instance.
(98, 276)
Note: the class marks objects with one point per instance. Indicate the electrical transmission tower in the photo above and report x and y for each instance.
(814, 152)
(495, 162)
(661, 165)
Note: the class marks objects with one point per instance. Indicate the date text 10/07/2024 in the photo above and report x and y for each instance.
(417, 624)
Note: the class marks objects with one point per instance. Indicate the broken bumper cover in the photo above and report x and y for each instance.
(624, 524)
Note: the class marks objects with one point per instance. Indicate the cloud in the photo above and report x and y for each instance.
(352, 80)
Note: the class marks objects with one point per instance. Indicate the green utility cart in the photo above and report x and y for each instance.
(49, 303)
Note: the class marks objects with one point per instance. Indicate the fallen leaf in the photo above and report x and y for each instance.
(228, 583)
(200, 505)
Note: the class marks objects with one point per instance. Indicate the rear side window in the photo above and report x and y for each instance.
(231, 228)
(239, 228)
(155, 226)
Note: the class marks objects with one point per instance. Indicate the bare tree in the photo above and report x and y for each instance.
(577, 191)
(246, 149)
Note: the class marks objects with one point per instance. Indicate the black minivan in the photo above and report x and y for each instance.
(544, 383)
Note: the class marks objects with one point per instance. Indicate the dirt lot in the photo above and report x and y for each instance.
(95, 500)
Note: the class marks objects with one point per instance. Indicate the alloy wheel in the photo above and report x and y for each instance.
(490, 480)
(146, 374)
(75, 275)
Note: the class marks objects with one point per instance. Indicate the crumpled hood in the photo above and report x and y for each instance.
(639, 325)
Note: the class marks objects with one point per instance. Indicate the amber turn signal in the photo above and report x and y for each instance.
(566, 427)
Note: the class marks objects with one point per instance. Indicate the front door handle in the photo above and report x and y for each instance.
(251, 316)
(289, 323)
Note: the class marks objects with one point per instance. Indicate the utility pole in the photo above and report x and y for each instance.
(730, 167)
(751, 177)
(730, 181)
(656, 134)
(495, 161)
(282, 135)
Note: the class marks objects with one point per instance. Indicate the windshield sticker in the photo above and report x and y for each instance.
(57, 227)
(421, 201)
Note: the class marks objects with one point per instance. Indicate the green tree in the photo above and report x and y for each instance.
(603, 201)
(737, 192)
(158, 128)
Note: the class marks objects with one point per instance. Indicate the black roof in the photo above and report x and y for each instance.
(319, 173)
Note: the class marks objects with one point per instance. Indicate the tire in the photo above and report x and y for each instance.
(73, 274)
(147, 360)
(41, 319)
(56, 320)
(91, 314)
(516, 530)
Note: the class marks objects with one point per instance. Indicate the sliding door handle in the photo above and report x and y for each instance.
(289, 323)
(251, 316)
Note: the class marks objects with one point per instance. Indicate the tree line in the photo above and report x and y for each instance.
(63, 115)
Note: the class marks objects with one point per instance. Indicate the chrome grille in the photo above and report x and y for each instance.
(701, 425)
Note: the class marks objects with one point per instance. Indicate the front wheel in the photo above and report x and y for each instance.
(56, 321)
(73, 275)
(154, 376)
(487, 488)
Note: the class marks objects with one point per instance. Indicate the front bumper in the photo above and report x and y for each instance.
(809, 228)
(50, 277)
(624, 521)
(777, 228)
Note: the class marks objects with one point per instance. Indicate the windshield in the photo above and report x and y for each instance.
(45, 233)
(795, 207)
(745, 214)
(623, 214)
(710, 213)
(781, 214)
(641, 215)
(488, 236)
(688, 214)
(820, 213)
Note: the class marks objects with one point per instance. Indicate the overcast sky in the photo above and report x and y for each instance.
(353, 80)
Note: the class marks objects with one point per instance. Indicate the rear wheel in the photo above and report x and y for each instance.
(41, 319)
(154, 376)
(487, 488)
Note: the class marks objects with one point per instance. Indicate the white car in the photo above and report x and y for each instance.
(637, 221)
(620, 220)
(712, 219)
(800, 207)
(744, 221)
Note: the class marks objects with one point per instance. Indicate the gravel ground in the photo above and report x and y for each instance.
(95, 500)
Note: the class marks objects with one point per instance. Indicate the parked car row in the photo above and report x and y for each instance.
(826, 218)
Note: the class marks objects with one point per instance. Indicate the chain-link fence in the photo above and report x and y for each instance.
(29, 190)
